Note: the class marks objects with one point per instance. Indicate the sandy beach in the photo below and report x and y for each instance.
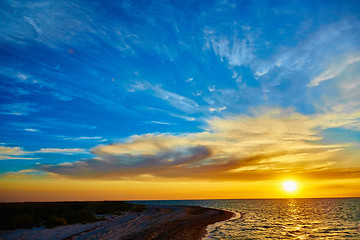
(156, 222)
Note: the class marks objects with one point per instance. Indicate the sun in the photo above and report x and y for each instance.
(290, 186)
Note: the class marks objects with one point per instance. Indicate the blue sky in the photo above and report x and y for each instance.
(81, 77)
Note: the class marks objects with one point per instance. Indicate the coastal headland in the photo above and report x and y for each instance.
(152, 222)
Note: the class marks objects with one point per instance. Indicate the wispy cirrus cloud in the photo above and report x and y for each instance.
(181, 116)
(85, 138)
(49, 123)
(7, 153)
(36, 21)
(25, 77)
(182, 103)
(61, 150)
(162, 123)
(334, 70)
(219, 109)
(264, 145)
(19, 108)
(177, 101)
(235, 51)
(31, 130)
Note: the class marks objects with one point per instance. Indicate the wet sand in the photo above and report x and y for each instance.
(156, 222)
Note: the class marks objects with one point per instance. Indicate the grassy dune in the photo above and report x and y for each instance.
(52, 214)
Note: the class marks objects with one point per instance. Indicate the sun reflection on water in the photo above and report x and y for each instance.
(294, 226)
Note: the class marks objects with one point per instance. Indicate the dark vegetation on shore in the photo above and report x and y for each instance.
(52, 214)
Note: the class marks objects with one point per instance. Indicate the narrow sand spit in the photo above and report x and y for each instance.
(156, 222)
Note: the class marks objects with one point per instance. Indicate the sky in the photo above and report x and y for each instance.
(129, 100)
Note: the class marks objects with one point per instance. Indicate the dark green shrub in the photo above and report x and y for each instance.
(55, 221)
(82, 215)
(30, 214)
(139, 208)
(20, 221)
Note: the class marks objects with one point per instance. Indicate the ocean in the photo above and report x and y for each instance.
(331, 218)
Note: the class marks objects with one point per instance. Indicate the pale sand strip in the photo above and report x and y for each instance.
(157, 222)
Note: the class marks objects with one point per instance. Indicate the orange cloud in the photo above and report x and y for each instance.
(265, 145)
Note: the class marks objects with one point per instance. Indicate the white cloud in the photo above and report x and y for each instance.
(35, 25)
(183, 116)
(217, 109)
(48, 123)
(19, 108)
(31, 130)
(334, 70)
(95, 138)
(61, 150)
(61, 96)
(197, 93)
(14, 151)
(38, 22)
(137, 86)
(187, 118)
(7, 153)
(162, 123)
(310, 54)
(88, 138)
(22, 76)
(211, 88)
(236, 51)
(6, 157)
(263, 72)
(26, 173)
(182, 103)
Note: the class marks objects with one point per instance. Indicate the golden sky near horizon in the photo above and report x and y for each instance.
(54, 189)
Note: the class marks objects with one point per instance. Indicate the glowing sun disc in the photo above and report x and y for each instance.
(290, 186)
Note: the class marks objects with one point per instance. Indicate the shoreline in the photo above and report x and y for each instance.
(156, 222)
(212, 227)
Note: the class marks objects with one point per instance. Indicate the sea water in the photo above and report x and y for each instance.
(333, 218)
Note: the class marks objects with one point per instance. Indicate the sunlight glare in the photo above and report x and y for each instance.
(290, 186)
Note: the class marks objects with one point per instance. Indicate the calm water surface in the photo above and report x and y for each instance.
(283, 218)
